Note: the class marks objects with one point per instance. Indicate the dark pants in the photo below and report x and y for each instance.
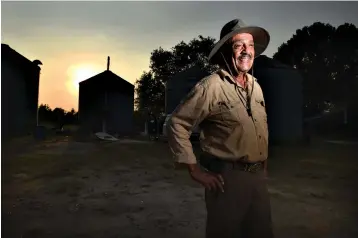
(243, 210)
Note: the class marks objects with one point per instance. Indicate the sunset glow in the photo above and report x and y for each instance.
(71, 38)
(78, 73)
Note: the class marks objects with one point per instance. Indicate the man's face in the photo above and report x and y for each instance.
(243, 51)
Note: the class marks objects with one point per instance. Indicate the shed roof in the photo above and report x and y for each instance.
(107, 80)
(14, 57)
(105, 75)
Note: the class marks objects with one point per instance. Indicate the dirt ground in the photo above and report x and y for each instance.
(63, 188)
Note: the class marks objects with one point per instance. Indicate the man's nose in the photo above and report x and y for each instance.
(244, 47)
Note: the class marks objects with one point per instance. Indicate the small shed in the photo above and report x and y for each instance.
(282, 89)
(19, 93)
(106, 104)
(179, 85)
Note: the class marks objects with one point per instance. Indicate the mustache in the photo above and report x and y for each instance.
(243, 55)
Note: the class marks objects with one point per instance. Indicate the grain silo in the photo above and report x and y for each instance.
(282, 89)
(179, 86)
(19, 88)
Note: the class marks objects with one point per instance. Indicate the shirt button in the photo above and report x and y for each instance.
(260, 136)
(255, 119)
(260, 153)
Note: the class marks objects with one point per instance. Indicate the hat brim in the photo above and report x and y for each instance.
(260, 35)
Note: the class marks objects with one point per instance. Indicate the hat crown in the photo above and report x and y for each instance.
(231, 26)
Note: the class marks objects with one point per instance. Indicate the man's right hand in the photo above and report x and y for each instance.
(209, 180)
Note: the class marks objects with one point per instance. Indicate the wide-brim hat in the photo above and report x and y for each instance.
(236, 26)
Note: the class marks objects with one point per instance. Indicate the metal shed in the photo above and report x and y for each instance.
(19, 88)
(282, 89)
(179, 86)
(106, 104)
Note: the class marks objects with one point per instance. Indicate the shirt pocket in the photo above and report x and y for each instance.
(260, 109)
(229, 113)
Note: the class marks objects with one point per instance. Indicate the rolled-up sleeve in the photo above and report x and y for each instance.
(191, 111)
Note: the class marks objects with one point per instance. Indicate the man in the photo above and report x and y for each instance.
(230, 108)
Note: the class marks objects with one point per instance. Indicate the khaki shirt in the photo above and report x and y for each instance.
(227, 130)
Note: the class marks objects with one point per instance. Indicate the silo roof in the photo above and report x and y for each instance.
(16, 58)
(188, 76)
(266, 62)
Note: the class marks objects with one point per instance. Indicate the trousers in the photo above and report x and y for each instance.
(243, 210)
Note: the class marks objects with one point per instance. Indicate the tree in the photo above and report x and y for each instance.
(71, 117)
(150, 87)
(164, 64)
(44, 113)
(346, 66)
(58, 115)
(150, 93)
(327, 58)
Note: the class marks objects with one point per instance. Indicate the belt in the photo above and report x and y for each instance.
(217, 165)
(247, 167)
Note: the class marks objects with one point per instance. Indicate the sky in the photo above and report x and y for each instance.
(73, 39)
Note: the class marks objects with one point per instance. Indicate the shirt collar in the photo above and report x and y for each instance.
(225, 75)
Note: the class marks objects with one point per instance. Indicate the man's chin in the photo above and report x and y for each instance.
(243, 69)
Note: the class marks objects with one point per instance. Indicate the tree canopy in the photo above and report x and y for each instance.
(57, 116)
(327, 58)
(150, 87)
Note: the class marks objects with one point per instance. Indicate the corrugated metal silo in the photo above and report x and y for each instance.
(282, 89)
(179, 86)
(19, 87)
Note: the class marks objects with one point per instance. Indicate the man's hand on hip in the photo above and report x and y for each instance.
(209, 180)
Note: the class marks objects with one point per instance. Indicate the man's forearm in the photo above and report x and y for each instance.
(189, 167)
(192, 167)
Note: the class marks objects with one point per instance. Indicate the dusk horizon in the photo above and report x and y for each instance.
(73, 41)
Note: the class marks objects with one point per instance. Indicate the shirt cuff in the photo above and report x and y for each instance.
(184, 158)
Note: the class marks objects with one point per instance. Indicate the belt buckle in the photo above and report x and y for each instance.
(253, 168)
